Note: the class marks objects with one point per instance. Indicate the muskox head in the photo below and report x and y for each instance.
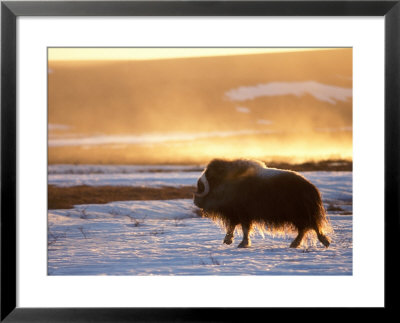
(219, 178)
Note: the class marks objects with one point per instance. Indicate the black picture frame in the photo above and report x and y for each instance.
(11, 10)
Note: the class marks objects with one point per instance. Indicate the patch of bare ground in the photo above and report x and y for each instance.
(67, 197)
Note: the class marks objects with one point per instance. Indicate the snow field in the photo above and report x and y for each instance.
(170, 238)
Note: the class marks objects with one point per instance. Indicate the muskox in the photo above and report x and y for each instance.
(247, 193)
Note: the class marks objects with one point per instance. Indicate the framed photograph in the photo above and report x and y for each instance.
(197, 160)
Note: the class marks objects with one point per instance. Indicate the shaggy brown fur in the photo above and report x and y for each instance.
(247, 193)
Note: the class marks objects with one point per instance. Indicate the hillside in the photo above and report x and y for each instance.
(296, 104)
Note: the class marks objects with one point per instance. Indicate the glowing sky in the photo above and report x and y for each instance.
(59, 54)
(139, 105)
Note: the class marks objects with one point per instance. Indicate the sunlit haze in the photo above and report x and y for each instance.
(189, 105)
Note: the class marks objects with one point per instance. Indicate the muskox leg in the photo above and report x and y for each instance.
(296, 242)
(324, 239)
(246, 228)
(230, 229)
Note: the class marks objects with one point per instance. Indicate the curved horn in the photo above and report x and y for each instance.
(203, 179)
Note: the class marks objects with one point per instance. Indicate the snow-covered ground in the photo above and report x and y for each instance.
(141, 176)
(169, 238)
(142, 179)
(335, 185)
(67, 169)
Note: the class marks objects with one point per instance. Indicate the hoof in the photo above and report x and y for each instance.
(244, 245)
(228, 239)
(294, 244)
(324, 240)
